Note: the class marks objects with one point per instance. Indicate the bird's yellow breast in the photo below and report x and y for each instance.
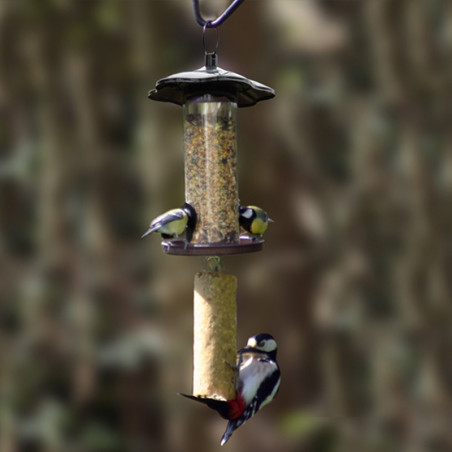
(258, 226)
(174, 227)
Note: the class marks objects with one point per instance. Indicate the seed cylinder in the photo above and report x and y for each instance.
(215, 331)
(211, 180)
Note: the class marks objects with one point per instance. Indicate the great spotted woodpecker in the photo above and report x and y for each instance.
(257, 383)
(174, 223)
(254, 220)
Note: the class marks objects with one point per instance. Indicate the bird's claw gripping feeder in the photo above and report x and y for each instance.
(210, 97)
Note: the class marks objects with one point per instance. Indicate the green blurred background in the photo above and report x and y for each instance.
(353, 161)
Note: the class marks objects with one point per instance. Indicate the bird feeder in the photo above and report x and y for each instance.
(210, 97)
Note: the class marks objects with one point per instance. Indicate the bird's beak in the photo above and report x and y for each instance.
(270, 220)
(146, 233)
(251, 343)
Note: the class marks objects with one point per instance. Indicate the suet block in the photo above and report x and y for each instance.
(215, 335)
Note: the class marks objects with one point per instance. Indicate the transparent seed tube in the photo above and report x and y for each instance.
(211, 180)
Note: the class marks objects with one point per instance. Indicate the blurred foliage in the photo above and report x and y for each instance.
(353, 159)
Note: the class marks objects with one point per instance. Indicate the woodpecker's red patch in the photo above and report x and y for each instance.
(236, 407)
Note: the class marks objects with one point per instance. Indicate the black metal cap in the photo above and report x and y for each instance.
(210, 79)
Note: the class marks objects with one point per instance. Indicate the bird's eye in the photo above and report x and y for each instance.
(261, 343)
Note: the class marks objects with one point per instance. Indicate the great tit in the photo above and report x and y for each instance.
(174, 223)
(254, 220)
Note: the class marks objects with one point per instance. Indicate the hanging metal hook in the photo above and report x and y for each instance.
(220, 19)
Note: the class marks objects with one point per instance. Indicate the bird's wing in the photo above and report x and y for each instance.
(167, 217)
(268, 388)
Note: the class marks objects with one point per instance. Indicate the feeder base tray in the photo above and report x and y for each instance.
(245, 245)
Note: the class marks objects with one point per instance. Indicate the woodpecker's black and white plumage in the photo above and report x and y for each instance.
(174, 223)
(257, 383)
(254, 220)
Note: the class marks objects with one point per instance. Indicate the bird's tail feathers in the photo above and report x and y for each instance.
(221, 406)
(150, 231)
(232, 425)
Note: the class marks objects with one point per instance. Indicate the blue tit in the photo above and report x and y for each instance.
(254, 220)
(174, 223)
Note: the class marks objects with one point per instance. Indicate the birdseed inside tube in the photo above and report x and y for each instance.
(211, 180)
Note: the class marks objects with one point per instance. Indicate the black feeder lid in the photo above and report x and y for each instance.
(210, 79)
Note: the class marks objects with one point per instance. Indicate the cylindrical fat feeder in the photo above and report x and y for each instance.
(210, 97)
(214, 338)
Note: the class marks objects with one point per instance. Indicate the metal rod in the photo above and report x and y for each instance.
(220, 19)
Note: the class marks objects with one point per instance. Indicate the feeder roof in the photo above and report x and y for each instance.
(177, 88)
